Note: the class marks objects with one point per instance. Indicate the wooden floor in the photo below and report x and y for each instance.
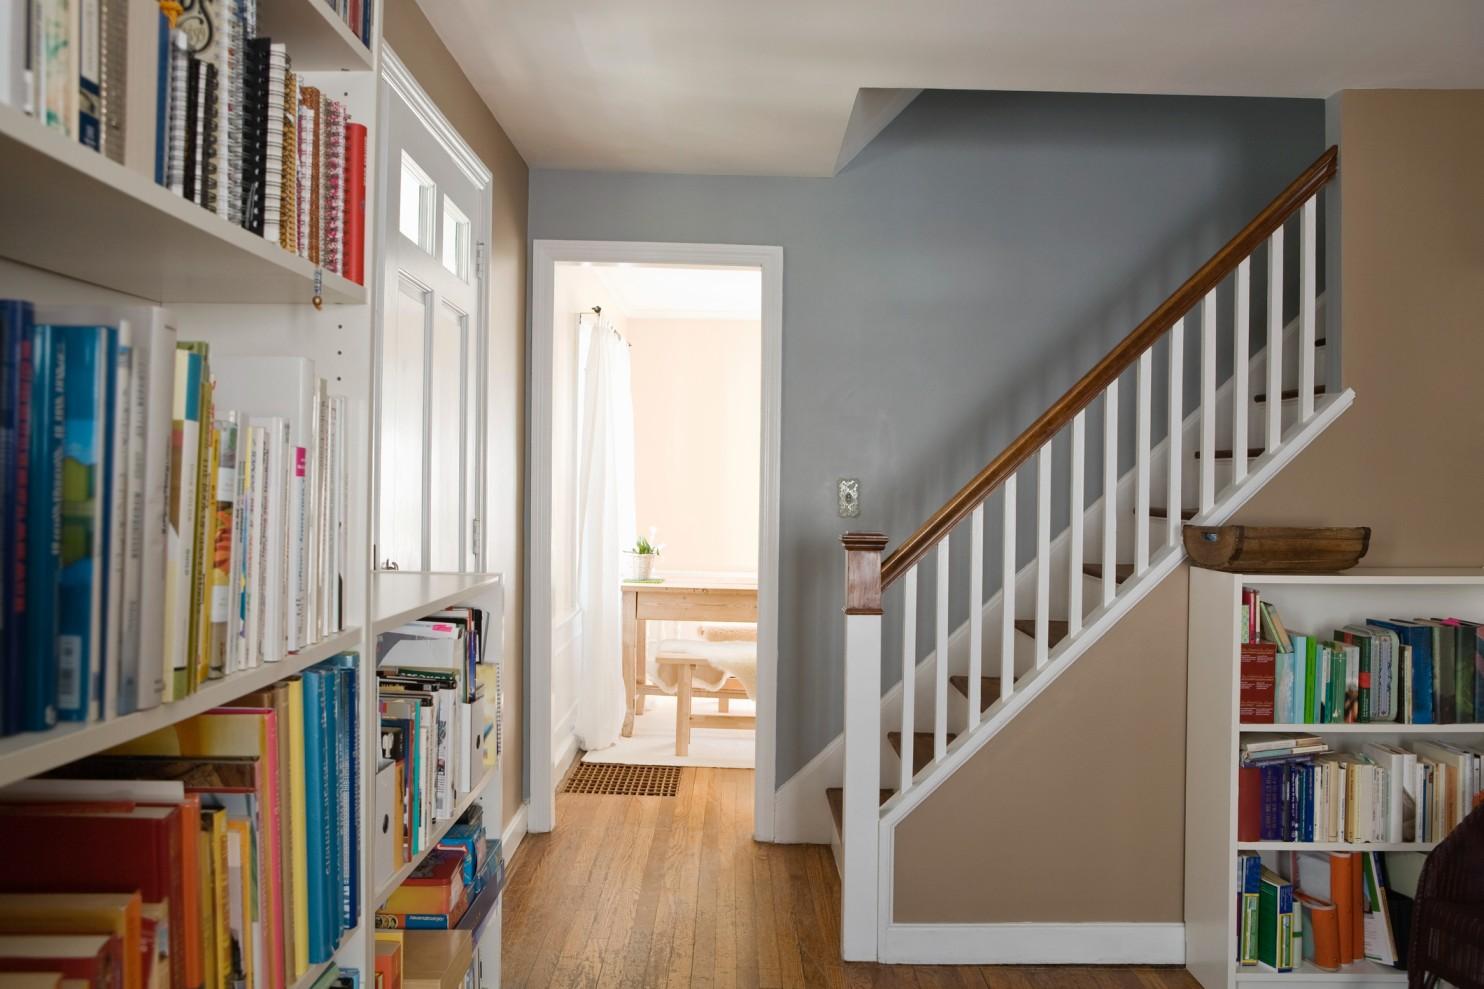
(673, 891)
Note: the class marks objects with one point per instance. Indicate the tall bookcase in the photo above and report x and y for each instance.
(79, 228)
(1213, 738)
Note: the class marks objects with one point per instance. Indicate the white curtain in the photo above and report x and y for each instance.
(605, 512)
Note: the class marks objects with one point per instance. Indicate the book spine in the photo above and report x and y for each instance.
(185, 449)
(16, 411)
(223, 544)
(44, 531)
(354, 251)
(202, 535)
(296, 561)
(117, 434)
(113, 78)
(89, 72)
(159, 483)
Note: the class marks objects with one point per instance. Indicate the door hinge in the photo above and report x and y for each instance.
(474, 539)
(479, 259)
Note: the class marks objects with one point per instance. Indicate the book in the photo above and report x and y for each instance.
(1321, 932)
(354, 249)
(44, 527)
(1249, 887)
(96, 958)
(1258, 682)
(113, 914)
(1275, 921)
(16, 407)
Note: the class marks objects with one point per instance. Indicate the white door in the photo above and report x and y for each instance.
(435, 198)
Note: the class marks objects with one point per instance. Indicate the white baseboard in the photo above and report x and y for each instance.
(514, 832)
(565, 751)
(1034, 944)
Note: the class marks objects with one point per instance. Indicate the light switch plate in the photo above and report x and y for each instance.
(849, 497)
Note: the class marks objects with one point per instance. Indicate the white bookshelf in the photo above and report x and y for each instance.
(1315, 604)
(81, 228)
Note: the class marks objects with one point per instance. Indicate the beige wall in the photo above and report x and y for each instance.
(408, 33)
(1075, 812)
(697, 422)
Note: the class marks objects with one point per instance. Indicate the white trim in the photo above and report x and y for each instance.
(545, 254)
(513, 834)
(1034, 944)
(564, 745)
(405, 85)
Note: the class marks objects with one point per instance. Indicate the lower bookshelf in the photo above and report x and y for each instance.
(440, 829)
(1356, 973)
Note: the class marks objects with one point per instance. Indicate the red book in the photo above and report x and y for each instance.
(1259, 668)
(138, 849)
(98, 958)
(353, 230)
(1249, 804)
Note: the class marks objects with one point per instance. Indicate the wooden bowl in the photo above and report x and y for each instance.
(1276, 549)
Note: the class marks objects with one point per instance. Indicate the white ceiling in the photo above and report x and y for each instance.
(643, 291)
(768, 86)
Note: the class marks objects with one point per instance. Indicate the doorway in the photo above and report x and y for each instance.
(668, 328)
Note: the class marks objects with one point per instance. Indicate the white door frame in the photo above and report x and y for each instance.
(545, 255)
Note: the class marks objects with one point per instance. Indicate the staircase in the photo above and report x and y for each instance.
(1221, 444)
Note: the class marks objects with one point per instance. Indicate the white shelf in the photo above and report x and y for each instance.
(315, 36)
(398, 597)
(1362, 576)
(1336, 846)
(1373, 728)
(314, 971)
(30, 753)
(440, 828)
(70, 210)
(1363, 971)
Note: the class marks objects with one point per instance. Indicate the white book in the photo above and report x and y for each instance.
(180, 537)
(252, 502)
(117, 537)
(297, 560)
(342, 508)
(154, 337)
(143, 60)
(75, 791)
(273, 539)
(282, 387)
(15, 50)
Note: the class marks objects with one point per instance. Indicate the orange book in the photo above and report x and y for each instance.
(98, 958)
(433, 887)
(1357, 914)
(79, 913)
(1344, 890)
(1322, 927)
(388, 964)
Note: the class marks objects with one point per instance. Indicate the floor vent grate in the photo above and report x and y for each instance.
(611, 779)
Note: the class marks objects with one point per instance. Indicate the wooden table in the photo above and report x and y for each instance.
(678, 598)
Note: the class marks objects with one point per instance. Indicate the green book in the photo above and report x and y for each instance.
(1275, 922)
(1249, 881)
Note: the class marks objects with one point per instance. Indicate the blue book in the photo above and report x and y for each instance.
(316, 778)
(44, 527)
(1419, 637)
(92, 357)
(350, 730)
(162, 100)
(330, 796)
(16, 319)
(340, 735)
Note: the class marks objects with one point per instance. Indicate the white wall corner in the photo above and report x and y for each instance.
(1034, 944)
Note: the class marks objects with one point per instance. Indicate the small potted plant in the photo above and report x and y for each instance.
(638, 563)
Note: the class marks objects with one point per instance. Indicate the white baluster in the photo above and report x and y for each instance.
(940, 661)
(1110, 491)
(1239, 371)
(909, 673)
(1074, 566)
(1175, 494)
(1307, 291)
(976, 610)
(1007, 594)
(1208, 401)
(1275, 340)
(1141, 462)
(1043, 555)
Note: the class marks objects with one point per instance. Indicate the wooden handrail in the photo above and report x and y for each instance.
(1118, 360)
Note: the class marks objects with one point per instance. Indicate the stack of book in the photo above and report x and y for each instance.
(454, 887)
(1408, 671)
(1325, 908)
(1292, 788)
(172, 518)
(196, 99)
(231, 839)
(434, 733)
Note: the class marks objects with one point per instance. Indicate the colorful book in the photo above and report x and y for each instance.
(113, 914)
(44, 527)
(1249, 887)
(1275, 921)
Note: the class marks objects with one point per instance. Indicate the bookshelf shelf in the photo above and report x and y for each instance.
(1308, 972)
(129, 234)
(1214, 737)
(403, 596)
(28, 754)
(439, 830)
(316, 37)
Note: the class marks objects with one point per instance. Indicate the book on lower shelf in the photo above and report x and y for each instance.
(1415, 671)
(1326, 909)
(454, 887)
(192, 99)
(174, 516)
(220, 851)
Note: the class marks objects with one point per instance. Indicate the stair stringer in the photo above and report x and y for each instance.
(801, 816)
(1029, 687)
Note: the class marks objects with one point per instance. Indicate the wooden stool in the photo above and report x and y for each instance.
(685, 691)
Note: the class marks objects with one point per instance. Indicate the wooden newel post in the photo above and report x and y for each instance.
(863, 572)
(861, 817)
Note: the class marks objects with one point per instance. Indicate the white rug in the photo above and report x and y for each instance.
(653, 741)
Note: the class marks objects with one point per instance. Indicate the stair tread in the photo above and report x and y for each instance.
(989, 688)
(1121, 571)
(835, 797)
(1288, 394)
(1056, 629)
(1253, 452)
(1164, 513)
(922, 747)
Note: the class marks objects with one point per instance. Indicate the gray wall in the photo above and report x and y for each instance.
(942, 291)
